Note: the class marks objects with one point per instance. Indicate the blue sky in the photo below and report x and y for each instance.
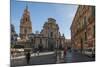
(40, 12)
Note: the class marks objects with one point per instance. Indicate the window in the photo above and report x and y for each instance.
(93, 11)
(40, 41)
(84, 22)
(94, 31)
(12, 37)
(34, 41)
(85, 36)
(51, 34)
(25, 31)
(26, 19)
(81, 24)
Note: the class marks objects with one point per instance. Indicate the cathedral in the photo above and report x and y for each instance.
(48, 38)
(25, 24)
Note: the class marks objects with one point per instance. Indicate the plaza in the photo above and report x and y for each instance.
(50, 45)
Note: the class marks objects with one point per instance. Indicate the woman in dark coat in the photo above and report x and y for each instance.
(28, 57)
(65, 50)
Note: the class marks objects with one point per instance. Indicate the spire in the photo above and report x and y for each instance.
(26, 7)
(26, 12)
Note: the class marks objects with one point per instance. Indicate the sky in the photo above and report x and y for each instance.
(40, 12)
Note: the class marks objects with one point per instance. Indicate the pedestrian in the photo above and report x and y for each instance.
(65, 50)
(38, 51)
(28, 57)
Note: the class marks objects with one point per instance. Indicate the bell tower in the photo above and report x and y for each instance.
(25, 24)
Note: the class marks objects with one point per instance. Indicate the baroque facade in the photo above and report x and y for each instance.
(48, 38)
(83, 28)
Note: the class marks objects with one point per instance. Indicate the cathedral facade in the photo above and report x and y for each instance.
(48, 38)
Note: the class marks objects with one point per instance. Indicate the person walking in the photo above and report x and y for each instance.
(38, 50)
(28, 57)
(65, 50)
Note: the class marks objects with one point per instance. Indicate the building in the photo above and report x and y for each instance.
(48, 38)
(13, 35)
(68, 43)
(25, 25)
(83, 28)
